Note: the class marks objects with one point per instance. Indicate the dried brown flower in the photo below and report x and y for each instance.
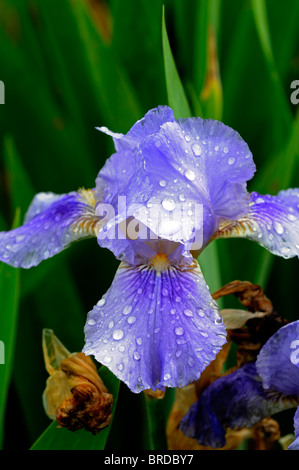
(75, 395)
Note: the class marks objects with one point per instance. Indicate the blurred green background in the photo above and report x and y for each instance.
(69, 66)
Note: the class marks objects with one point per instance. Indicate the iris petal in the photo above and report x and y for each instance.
(233, 401)
(295, 444)
(273, 222)
(155, 329)
(278, 360)
(51, 224)
(148, 125)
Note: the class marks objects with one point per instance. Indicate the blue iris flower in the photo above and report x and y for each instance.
(171, 187)
(251, 393)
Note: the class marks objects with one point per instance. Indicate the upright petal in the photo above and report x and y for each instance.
(156, 327)
(278, 360)
(233, 401)
(272, 221)
(188, 166)
(148, 125)
(51, 224)
(121, 166)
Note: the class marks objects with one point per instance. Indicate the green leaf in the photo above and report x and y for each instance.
(157, 415)
(55, 438)
(177, 99)
(9, 301)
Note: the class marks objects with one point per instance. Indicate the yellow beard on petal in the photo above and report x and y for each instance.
(160, 263)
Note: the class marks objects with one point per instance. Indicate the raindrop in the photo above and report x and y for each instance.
(291, 217)
(91, 322)
(231, 160)
(111, 325)
(278, 227)
(166, 376)
(131, 319)
(168, 204)
(188, 313)
(162, 183)
(127, 309)
(120, 366)
(136, 355)
(118, 334)
(190, 175)
(179, 331)
(101, 302)
(259, 200)
(164, 292)
(225, 150)
(196, 149)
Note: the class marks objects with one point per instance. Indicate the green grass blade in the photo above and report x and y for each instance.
(157, 415)
(9, 301)
(62, 439)
(177, 99)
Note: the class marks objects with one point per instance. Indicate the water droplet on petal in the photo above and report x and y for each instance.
(190, 175)
(162, 183)
(127, 309)
(91, 322)
(291, 217)
(259, 200)
(136, 355)
(131, 319)
(168, 204)
(118, 334)
(231, 160)
(179, 331)
(166, 376)
(225, 150)
(278, 227)
(196, 149)
(101, 302)
(188, 313)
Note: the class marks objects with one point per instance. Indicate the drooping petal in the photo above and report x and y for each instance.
(273, 222)
(148, 125)
(233, 401)
(295, 444)
(51, 224)
(278, 361)
(156, 326)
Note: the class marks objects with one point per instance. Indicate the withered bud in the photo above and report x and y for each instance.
(155, 394)
(75, 395)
